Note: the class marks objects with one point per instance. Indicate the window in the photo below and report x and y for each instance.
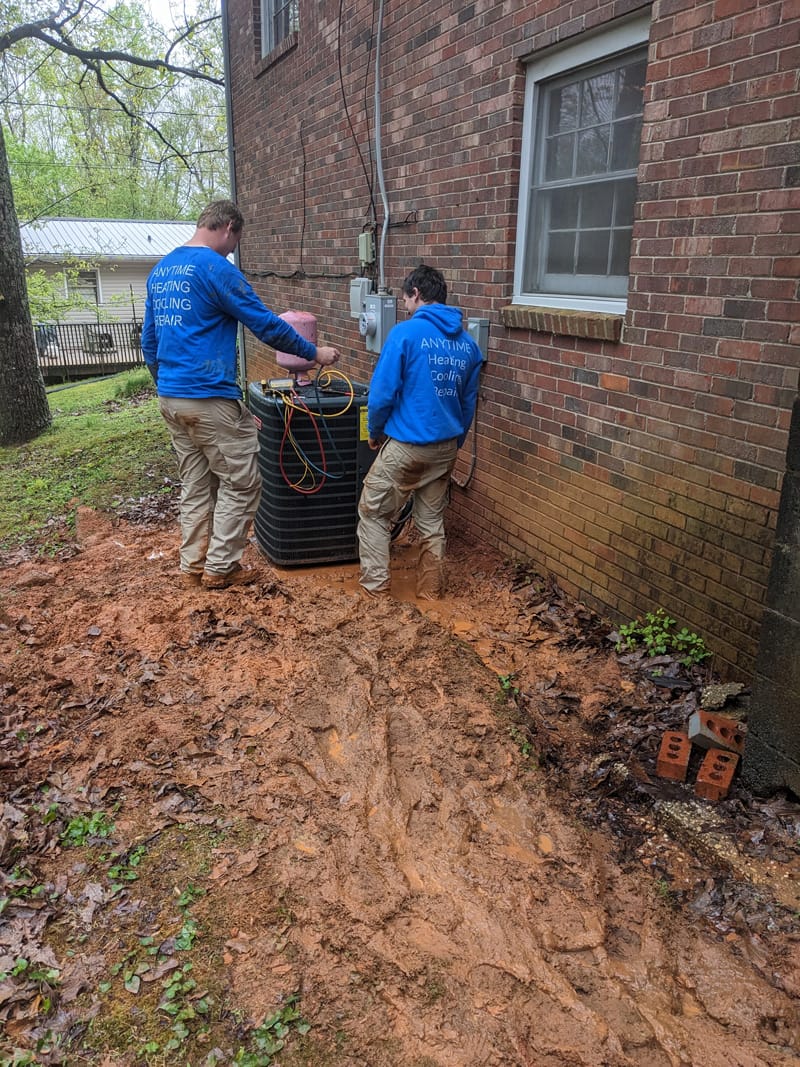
(279, 19)
(583, 124)
(82, 287)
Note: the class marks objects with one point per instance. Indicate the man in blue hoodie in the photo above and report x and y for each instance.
(421, 403)
(195, 299)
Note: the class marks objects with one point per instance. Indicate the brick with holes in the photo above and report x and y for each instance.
(709, 730)
(673, 756)
(716, 774)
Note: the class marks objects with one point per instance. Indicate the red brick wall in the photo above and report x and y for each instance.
(642, 472)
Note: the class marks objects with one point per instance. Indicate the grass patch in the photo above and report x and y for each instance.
(107, 443)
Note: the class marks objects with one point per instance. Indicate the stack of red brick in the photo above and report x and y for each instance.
(723, 738)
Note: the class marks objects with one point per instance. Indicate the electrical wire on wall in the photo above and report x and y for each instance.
(367, 172)
(370, 166)
(301, 271)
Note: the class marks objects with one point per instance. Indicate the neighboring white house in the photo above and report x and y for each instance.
(118, 255)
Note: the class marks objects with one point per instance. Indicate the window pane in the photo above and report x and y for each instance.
(597, 99)
(625, 201)
(582, 192)
(564, 209)
(593, 252)
(621, 251)
(631, 88)
(562, 109)
(279, 18)
(592, 152)
(598, 206)
(559, 157)
(627, 141)
(561, 253)
(83, 285)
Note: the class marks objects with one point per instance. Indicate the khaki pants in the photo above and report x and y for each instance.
(216, 443)
(399, 470)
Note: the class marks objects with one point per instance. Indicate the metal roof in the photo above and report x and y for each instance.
(102, 238)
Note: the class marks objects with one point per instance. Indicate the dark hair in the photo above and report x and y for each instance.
(219, 214)
(430, 282)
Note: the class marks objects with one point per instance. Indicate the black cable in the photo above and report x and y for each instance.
(367, 174)
(295, 274)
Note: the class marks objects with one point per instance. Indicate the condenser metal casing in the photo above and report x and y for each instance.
(296, 528)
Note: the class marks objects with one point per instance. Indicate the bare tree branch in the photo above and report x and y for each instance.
(62, 43)
(98, 73)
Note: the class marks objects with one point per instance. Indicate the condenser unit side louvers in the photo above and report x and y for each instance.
(311, 473)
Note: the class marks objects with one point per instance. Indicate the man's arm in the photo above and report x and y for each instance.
(242, 302)
(384, 386)
(148, 342)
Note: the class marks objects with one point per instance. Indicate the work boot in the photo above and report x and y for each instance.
(430, 577)
(384, 593)
(237, 575)
(192, 579)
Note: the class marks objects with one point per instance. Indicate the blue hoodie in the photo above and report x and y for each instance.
(195, 297)
(425, 384)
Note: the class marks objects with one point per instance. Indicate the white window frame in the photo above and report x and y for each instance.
(268, 10)
(589, 50)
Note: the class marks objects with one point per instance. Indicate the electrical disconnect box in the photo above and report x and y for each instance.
(378, 316)
(478, 329)
(359, 291)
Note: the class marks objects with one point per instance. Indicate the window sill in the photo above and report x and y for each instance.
(271, 58)
(591, 324)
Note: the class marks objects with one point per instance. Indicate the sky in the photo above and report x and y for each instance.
(163, 9)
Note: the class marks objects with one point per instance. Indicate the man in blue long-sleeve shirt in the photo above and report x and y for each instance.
(422, 399)
(195, 299)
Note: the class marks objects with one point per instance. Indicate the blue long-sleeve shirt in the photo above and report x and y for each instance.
(195, 297)
(425, 385)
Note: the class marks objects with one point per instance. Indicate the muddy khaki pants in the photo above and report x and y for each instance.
(216, 442)
(399, 470)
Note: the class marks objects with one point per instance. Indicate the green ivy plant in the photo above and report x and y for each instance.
(269, 1038)
(81, 828)
(657, 635)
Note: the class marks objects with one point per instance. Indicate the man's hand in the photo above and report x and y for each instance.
(326, 356)
(376, 442)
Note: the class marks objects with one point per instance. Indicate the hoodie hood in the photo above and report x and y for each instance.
(444, 317)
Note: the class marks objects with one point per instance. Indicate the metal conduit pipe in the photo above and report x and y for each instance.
(378, 152)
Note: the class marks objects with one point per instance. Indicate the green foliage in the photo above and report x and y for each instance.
(507, 687)
(52, 294)
(176, 1003)
(157, 149)
(190, 894)
(98, 452)
(82, 828)
(184, 942)
(522, 742)
(657, 635)
(271, 1036)
(124, 871)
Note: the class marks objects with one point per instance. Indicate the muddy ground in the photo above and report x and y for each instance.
(372, 833)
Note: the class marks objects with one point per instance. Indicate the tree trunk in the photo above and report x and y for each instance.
(24, 411)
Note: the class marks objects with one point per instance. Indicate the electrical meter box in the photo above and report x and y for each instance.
(378, 316)
(478, 329)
